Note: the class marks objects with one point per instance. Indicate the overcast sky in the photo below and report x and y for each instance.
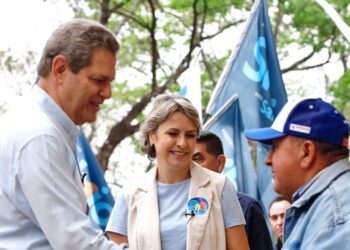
(25, 25)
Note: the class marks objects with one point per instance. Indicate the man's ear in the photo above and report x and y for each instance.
(308, 154)
(59, 68)
(221, 160)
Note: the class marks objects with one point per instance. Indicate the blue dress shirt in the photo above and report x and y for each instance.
(41, 197)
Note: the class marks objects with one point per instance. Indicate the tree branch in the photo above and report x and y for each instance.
(133, 18)
(106, 11)
(295, 67)
(222, 29)
(125, 19)
(297, 63)
(154, 47)
(208, 68)
(312, 66)
(278, 20)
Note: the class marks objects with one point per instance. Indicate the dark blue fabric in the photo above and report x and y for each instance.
(256, 228)
(227, 124)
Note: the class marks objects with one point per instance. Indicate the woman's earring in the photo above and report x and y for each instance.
(152, 152)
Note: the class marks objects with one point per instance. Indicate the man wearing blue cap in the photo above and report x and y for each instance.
(309, 160)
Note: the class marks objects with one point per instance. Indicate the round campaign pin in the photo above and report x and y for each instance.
(198, 205)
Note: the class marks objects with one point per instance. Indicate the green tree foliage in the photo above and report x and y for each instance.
(15, 72)
(304, 22)
(14, 65)
(341, 93)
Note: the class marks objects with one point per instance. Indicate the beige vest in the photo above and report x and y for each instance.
(203, 231)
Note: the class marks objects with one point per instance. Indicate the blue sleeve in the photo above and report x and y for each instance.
(118, 220)
(231, 209)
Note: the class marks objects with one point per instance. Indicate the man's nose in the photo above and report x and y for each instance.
(106, 90)
(280, 220)
(268, 158)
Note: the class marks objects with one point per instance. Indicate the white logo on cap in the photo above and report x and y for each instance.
(299, 128)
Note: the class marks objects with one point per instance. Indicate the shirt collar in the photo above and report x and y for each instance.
(50, 107)
(320, 182)
(198, 175)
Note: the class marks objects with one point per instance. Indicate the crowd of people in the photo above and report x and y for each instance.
(184, 202)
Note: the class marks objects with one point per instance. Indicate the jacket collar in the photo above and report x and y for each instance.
(198, 175)
(320, 182)
(56, 114)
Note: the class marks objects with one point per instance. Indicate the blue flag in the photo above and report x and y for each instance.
(253, 72)
(99, 197)
(227, 124)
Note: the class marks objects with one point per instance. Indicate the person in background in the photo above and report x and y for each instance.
(310, 165)
(178, 205)
(209, 153)
(277, 211)
(41, 194)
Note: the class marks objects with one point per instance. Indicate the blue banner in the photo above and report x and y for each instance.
(253, 72)
(227, 124)
(99, 197)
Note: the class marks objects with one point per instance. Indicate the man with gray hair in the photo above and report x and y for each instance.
(41, 196)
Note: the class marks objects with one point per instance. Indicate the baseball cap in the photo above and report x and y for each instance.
(310, 118)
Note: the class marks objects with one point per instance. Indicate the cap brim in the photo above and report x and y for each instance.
(264, 135)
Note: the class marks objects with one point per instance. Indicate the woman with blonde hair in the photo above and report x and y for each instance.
(178, 205)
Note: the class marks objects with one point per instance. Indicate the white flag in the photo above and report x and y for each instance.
(190, 83)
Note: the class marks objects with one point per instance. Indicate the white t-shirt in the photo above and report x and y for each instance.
(173, 199)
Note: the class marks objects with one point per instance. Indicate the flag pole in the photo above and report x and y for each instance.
(336, 18)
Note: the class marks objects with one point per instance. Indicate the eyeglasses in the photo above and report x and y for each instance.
(275, 217)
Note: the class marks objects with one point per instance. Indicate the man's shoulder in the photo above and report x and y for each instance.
(328, 208)
(24, 122)
(325, 216)
(247, 201)
(214, 176)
